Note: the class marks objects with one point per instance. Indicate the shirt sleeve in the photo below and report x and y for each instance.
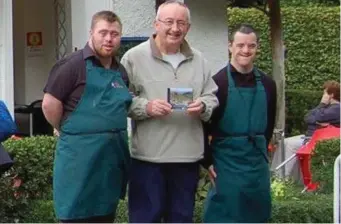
(208, 94)
(61, 80)
(270, 85)
(138, 108)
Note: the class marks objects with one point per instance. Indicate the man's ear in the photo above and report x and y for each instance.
(230, 45)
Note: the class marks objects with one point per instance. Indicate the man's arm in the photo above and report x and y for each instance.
(138, 108)
(53, 110)
(271, 91)
(311, 116)
(209, 127)
(330, 113)
(59, 85)
(208, 96)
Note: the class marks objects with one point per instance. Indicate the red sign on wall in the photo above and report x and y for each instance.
(34, 43)
(34, 39)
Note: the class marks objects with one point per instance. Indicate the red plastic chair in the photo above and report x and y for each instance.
(306, 151)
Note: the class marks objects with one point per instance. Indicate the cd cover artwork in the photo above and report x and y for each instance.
(179, 98)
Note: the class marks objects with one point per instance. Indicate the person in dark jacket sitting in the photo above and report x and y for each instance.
(325, 114)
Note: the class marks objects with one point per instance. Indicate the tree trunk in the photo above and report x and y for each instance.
(278, 67)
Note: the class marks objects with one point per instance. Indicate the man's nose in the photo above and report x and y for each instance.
(245, 49)
(175, 26)
(108, 37)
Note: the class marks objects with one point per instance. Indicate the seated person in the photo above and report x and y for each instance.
(325, 114)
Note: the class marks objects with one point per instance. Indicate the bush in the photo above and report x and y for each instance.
(298, 103)
(289, 205)
(322, 164)
(30, 178)
(33, 161)
(306, 209)
(311, 36)
(40, 211)
(305, 3)
(10, 206)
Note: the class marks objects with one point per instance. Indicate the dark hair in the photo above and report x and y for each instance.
(242, 28)
(106, 15)
(332, 87)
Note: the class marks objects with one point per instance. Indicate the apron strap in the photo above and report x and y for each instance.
(231, 82)
(89, 63)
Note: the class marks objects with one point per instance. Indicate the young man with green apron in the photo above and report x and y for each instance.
(87, 101)
(241, 128)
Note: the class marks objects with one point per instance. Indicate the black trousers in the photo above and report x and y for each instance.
(162, 192)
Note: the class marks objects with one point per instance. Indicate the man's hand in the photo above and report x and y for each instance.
(325, 98)
(55, 132)
(195, 108)
(212, 175)
(158, 108)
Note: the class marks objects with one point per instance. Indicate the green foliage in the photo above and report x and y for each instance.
(30, 178)
(10, 205)
(307, 209)
(313, 48)
(322, 164)
(307, 3)
(33, 159)
(289, 205)
(40, 211)
(298, 103)
(204, 185)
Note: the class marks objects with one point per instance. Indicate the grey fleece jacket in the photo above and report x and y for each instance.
(176, 137)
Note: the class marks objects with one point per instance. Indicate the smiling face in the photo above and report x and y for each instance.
(243, 49)
(106, 38)
(172, 24)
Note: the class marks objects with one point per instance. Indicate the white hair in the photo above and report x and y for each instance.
(178, 2)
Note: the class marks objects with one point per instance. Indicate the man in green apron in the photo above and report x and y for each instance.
(86, 100)
(241, 128)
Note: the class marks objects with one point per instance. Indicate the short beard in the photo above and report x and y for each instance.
(98, 53)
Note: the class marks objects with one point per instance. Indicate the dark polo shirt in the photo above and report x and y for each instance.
(67, 78)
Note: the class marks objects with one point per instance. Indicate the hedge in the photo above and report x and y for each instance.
(322, 164)
(33, 166)
(298, 103)
(29, 179)
(309, 3)
(317, 209)
(312, 37)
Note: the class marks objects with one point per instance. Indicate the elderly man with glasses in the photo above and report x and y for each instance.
(174, 92)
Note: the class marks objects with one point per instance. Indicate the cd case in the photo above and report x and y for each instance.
(179, 98)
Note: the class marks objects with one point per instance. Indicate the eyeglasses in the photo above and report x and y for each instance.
(170, 23)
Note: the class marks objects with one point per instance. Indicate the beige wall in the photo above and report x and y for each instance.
(209, 31)
(31, 72)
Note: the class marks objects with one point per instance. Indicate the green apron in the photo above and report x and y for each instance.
(92, 156)
(242, 187)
